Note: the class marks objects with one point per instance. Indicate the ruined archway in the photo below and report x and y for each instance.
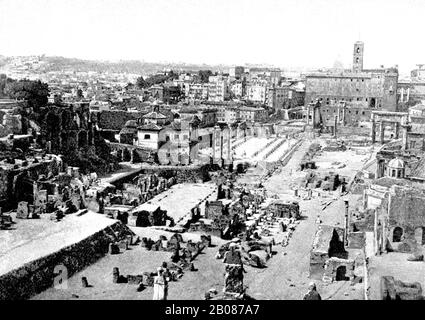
(341, 273)
(82, 139)
(397, 234)
(126, 155)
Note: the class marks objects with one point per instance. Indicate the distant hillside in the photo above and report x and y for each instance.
(127, 66)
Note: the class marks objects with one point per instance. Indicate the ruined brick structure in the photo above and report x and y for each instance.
(400, 223)
(284, 209)
(70, 130)
(328, 243)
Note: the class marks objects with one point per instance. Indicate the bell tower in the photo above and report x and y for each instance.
(358, 56)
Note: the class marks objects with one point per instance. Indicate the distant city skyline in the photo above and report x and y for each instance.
(285, 33)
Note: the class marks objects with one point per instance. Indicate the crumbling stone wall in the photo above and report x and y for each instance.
(115, 119)
(332, 267)
(392, 289)
(38, 275)
(406, 214)
(191, 174)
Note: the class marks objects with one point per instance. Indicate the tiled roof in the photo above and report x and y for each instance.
(154, 115)
(150, 126)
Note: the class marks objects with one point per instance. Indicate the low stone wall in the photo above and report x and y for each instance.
(35, 277)
(193, 174)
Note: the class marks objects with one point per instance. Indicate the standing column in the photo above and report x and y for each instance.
(408, 94)
(404, 144)
(373, 131)
(381, 132)
(378, 169)
(347, 223)
(335, 125)
(229, 145)
(397, 130)
(308, 114)
(131, 156)
(401, 94)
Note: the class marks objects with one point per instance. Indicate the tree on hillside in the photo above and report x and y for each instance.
(35, 92)
(4, 80)
(204, 75)
(141, 83)
(80, 94)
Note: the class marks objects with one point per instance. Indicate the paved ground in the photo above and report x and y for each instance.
(137, 260)
(36, 238)
(286, 275)
(181, 198)
(393, 264)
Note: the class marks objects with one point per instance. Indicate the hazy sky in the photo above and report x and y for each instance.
(311, 33)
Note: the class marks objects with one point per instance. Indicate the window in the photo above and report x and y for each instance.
(176, 136)
(412, 144)
(147, 136)
(185, 137)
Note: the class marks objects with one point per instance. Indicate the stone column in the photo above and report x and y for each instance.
(229, 145)
(308, 115)
(397, 130)
(335, 126)
(380, 164)
(381, 132)
(401, 94)
(347, 223)
(131, 156)
(404, 133)
(373, 130)
(408, 94)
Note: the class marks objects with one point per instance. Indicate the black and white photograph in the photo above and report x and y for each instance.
(225, 151)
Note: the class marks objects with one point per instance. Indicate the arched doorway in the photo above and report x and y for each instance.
(397, 234)
(372, 103)
(126, 155)
(341, 273)
(82, 139)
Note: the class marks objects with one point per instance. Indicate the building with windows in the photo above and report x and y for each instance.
(372, 89)
(256, 93)
(252, 114)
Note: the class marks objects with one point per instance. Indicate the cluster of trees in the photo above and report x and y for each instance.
(4, 81)
(204, 75)
(155, 79)
(36, 93)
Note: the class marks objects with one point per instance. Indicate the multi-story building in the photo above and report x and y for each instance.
(237, 88)
(237, 72)
(228, 114)
(418, 74)
(373, 89)
(217, 90)
(256, 93)
(196, 91)
(252, 114)
(207, 116)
